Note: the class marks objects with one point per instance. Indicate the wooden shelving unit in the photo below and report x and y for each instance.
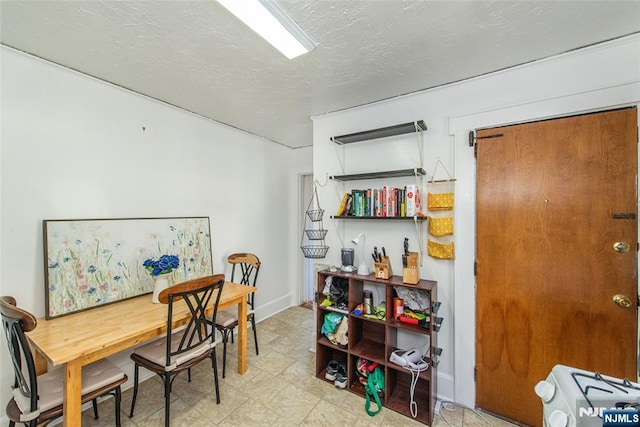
(376, 339)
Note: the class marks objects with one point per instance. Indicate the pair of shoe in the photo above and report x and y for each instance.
(337, 372)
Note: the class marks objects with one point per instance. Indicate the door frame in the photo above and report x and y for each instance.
(464, 297)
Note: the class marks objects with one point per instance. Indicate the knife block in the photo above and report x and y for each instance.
(383, 268)
(410, 273)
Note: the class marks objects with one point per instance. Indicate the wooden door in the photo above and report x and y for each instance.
(553, 197)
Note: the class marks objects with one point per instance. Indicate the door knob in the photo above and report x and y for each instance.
(621, 247)
(622, 300)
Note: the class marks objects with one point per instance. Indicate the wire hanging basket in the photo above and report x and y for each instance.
(315, 234)
(315, 252)
(315, 247)
(315, 215)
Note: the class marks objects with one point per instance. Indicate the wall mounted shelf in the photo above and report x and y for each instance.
(382, 174)
(382, 218)
(384, 132)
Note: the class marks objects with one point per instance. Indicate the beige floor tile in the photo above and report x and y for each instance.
(182, 415)
(292, 403)
(251, 413)
(452, 414)
(106, 414)
(326, 414)
(202, 383)
(394, 419)
(230, 400)
(149, 400)
(272, 361)
(262, 386)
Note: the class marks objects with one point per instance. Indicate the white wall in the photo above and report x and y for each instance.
(74, 147)
(600, 77)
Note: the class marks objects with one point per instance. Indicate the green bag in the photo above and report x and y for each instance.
(373, 382)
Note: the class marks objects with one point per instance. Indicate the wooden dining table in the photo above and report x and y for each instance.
(81, 338)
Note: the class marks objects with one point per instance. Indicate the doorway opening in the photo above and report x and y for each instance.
(307, 279)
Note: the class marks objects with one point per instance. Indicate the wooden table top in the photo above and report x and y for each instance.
(99, 332)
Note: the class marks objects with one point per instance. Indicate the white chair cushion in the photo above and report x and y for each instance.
(50, 385)
(226, 318)
(155, 351)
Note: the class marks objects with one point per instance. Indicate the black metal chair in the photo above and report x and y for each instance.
(37, 399)
(249, 266)
(182, 347)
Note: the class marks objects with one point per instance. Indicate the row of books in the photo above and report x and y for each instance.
(381, 202)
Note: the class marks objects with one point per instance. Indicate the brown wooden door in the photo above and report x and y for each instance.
(547, 271)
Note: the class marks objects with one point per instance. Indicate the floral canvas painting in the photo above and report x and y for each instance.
(95, 262)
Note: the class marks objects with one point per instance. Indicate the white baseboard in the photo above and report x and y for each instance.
(274, 307)
(446, 387)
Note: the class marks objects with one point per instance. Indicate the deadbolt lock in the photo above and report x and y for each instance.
(622, 300)
(621, 247)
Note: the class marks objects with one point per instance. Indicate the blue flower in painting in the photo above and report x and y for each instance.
(116, 278)
(66, 259)
(52, 288)
(192, 260)
(165, 264)
(190, 242)
(92, 269)
(91, 290)
(53, 265)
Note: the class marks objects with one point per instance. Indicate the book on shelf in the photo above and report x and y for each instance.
(344, 204)
(386, 201)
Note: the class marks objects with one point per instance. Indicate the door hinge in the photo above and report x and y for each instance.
(475, 374)
(475, 268)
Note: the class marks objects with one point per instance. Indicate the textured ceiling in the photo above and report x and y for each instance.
(197, 56)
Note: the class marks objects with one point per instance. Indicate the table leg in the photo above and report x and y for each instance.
(242, 336)
(72, 394)
(41, 363)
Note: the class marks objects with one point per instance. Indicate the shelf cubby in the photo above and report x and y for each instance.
(398, 386)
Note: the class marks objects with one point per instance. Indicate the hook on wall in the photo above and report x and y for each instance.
(326, 180)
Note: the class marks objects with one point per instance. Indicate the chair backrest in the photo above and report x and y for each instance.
(16, 322)
(248, 266)
(199, 295)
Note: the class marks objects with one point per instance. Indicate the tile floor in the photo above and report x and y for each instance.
(279, 389)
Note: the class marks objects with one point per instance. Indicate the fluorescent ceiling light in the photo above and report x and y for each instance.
(267, 19)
